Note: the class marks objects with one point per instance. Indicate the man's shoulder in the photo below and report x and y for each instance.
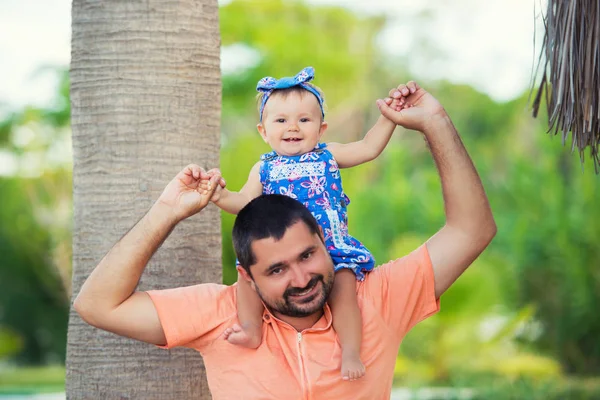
(416, 259)
(400, 272)
(402, 290)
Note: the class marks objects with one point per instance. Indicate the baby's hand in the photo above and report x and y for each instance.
(396, 104)
(205, 184)
(399, 103)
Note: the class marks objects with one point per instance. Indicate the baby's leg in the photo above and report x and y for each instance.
(250, 311)
(347, 323)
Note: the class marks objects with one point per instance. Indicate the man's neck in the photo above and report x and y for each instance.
(300, 323)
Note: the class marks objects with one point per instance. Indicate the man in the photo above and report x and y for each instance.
(288, 266)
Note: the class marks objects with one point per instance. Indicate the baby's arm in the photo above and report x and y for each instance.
(233, 202)
(370, 147)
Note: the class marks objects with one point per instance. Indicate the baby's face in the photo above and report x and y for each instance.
(292, 124)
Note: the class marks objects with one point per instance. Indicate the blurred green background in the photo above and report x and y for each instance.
(520, 323)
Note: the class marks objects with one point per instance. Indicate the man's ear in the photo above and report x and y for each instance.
(261, 129)
(243, 274)
(321, 234)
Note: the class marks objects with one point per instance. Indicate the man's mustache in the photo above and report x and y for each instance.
(311, 284)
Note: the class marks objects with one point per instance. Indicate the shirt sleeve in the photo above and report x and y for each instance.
(403, 290)
(194, 316)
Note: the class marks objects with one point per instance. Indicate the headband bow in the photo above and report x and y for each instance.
(268, 84)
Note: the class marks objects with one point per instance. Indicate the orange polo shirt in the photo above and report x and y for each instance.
(301, 365)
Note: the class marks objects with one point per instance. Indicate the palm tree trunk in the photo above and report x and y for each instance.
(146, 101)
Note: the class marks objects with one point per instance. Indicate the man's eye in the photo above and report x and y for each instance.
(306, 256)
(276, 271)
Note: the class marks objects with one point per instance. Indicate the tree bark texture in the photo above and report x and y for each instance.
(146, 101)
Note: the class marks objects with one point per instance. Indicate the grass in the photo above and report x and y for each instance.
(566, 388)
(28, 380)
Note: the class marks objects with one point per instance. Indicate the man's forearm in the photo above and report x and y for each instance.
(466, 204)
(115, 278)
(469, 224)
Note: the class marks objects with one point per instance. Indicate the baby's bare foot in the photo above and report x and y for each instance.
(352, 367)
(240, 337)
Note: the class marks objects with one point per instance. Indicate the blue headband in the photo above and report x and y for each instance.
(268, 84)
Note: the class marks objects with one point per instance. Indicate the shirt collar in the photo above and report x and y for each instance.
(322, 324)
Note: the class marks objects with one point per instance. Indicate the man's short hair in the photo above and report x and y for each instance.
(267, 216)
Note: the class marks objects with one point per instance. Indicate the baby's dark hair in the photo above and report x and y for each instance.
(267, 216)
(287, 91)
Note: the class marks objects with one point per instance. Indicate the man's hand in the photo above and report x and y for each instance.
(411, 107)
(190, 191)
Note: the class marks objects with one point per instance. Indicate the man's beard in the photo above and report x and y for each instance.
(287, 305)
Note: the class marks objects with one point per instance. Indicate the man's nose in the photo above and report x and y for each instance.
(300, 277)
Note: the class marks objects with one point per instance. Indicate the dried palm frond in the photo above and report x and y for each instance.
(570, 56)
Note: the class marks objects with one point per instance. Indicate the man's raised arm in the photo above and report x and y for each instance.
(108, 299)
(470, 225)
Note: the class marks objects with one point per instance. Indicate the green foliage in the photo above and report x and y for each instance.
(289, 35)
(547, 205)
(10, 343)
(33, 299)
(35, 217)
(57, 115)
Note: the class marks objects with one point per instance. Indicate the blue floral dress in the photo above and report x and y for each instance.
(314, 179)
